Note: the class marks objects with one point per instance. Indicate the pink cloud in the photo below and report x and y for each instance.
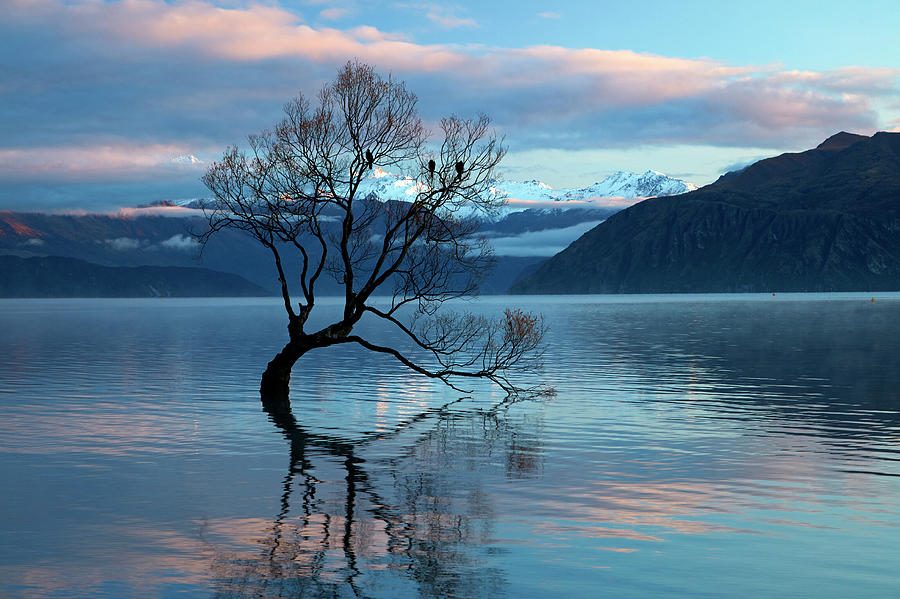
(334, 13)
(763, 103)
(868, 79)
(449, 20)
(173, 211)
(863, 79)
(88, 162)
(440, 14)
(550, 91)
(257, 32)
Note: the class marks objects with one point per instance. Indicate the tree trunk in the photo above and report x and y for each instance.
(274, 389)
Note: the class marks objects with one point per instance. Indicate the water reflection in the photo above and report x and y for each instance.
(828, 368)
(752, 446)
(406, 524)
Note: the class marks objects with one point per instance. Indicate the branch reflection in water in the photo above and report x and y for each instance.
(411, 524)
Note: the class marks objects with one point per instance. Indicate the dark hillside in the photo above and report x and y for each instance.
(820, 220)
(54, 276)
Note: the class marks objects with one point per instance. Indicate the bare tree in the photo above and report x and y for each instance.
(297, 190)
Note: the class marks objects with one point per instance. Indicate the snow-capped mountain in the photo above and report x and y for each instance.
(633, 185)
(536, 223)
(619, 189)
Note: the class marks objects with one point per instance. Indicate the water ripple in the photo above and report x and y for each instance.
(728, 443)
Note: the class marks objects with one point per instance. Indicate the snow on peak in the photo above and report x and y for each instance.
(537, 183)
(632, 185)
(621, 188)
(185, 159)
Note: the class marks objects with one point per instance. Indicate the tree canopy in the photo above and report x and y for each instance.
(296, 188)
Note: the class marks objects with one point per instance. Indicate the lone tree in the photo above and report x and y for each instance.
(297, 189)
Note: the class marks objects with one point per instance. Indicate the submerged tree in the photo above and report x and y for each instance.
(297, 189)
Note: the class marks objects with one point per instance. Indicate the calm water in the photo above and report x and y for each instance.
(698, 446)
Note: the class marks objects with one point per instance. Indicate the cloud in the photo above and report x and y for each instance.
(867, 80)
(549, 15)
(541, 243)
(257, 32)
(592, 202)
(180, 242)
(125, 244)
(741, 164)
(449, 20)
(443, 15)
(103, 93)
(334, 13)
(170, 211)
(105, 161)
(559, 95)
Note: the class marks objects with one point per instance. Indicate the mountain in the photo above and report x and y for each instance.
(537, 222)
(628, 188)
(386, 186)
(53, 276)
(820, 220)
(632, 185)
(616, 191)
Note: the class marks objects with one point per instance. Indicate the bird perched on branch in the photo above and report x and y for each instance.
(431, 166)
(459, 169)
(370, 159)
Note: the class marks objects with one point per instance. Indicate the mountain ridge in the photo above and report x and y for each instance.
(56, 276)
(523, 235)
(820, 220)
(620, 185)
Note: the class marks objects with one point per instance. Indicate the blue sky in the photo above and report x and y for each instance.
(107, 104)
(801, 34)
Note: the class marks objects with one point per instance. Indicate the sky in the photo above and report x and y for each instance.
(110, 104)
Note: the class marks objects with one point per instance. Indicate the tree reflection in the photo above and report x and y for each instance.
(405, 525)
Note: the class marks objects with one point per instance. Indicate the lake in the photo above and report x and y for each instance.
(697, 446)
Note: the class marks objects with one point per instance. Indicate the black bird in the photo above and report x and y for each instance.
(370, 159)
(431, 167)
(459, 169)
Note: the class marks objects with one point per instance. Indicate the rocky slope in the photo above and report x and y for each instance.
(825, 219)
